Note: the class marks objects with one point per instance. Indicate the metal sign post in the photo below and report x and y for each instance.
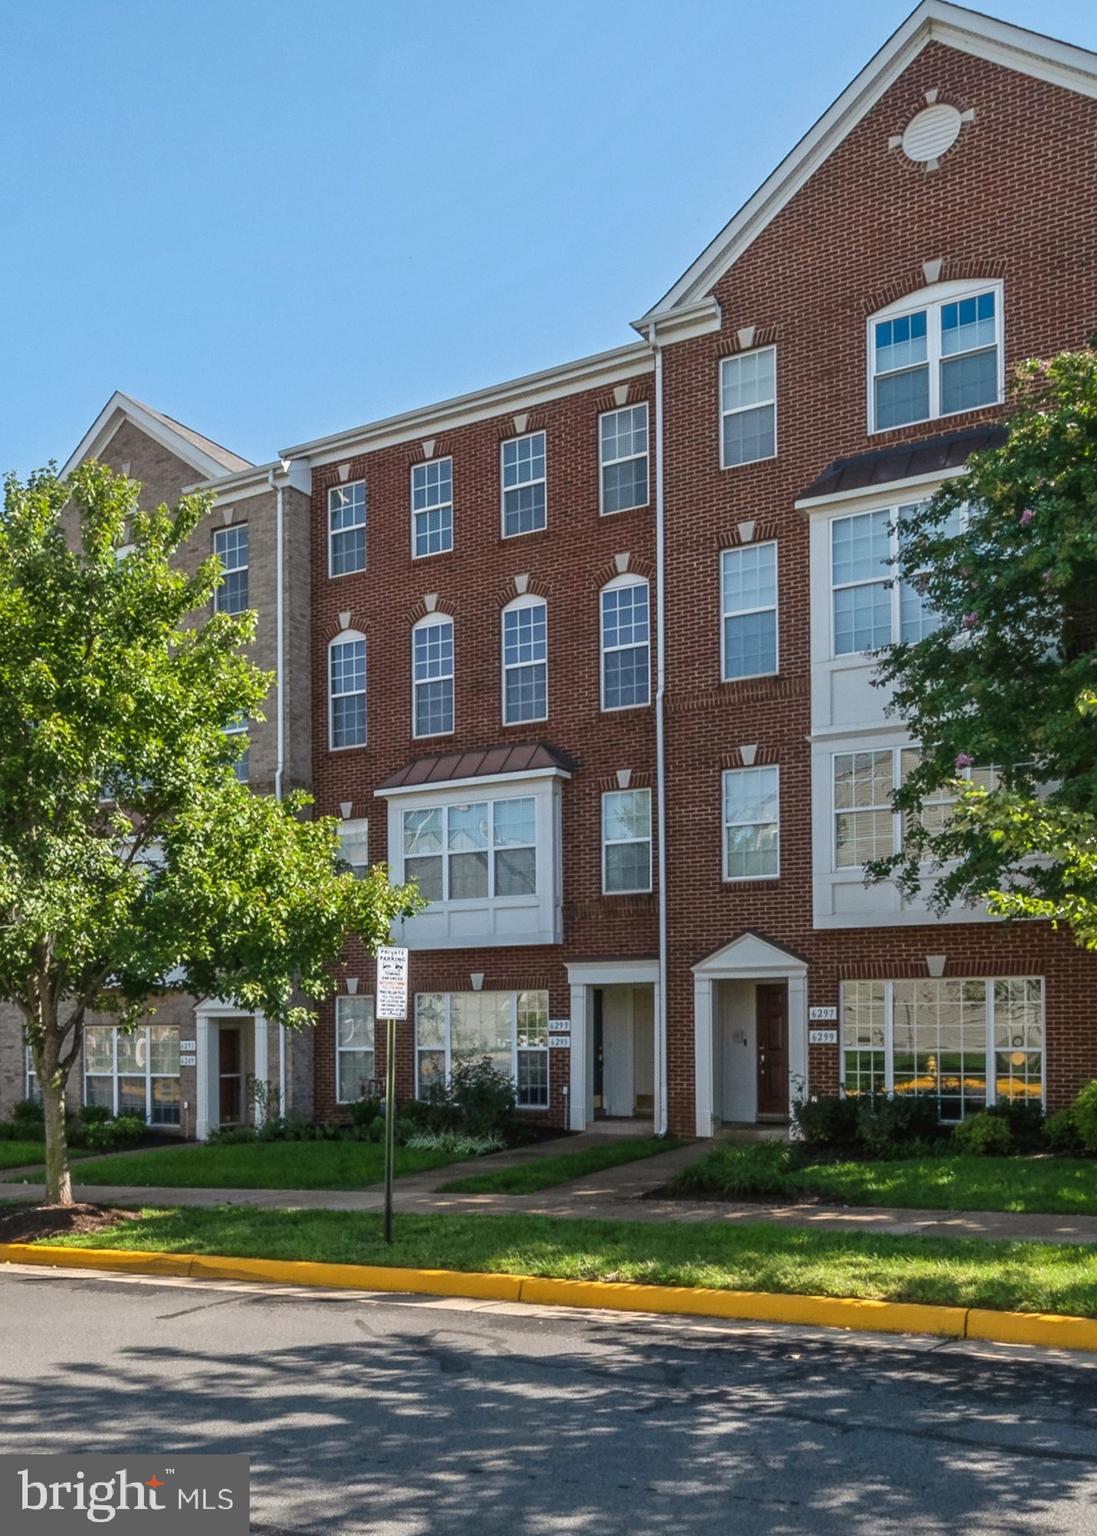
(391, 1004)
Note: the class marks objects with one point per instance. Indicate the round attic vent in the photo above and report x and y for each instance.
(930, 132)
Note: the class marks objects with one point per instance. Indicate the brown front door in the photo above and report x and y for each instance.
(231, 1093)
(771, 1003)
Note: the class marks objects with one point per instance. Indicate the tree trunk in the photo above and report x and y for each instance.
(58, 1177)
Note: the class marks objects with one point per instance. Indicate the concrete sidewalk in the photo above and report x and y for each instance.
(616, 1194)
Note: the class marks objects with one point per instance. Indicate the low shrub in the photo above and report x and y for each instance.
(29, 1120)
(893, 1126)
(1025, 1121)
(984, 1135)
(1084, 1110)
(363, 1112)
(1062, 1135)
(455, 1143)
(747, 1172)
(483, 1094)
(95, 1114)
(828, 1121)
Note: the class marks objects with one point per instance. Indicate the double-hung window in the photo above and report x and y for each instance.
(354, 1058)
(347, 691)
(472, 852)
(133, 1072)
(510, 1028)
(623, 458)
(347, 528)
(432, 507)
(432, 676)
(523, 474)
(752, 824)
(230, 545)
(525, 660)
(871, 606)
(626, 664)
(963, 1042)
(748, 407)
(866, 824)
(935, 357)
(242, 766)
(354, 846)
(748, 589)
(626, 841)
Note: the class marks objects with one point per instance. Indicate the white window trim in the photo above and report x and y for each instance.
(332, 490)
(30, 1076)
(721, 414)
(896, 750)
(620, 842)
(218, 533)
(504, 488)
(730, 879)
(354, 1050)
(356, 828)
(737, 613)
(428, 622)
(629, 458)
(991, 1049)
(430, 554)
(457, 903)
(932, 298)
(618, 583)
(515, 1048)
(889, 577)
(527, 600)
(115, 1074)
(341, 638)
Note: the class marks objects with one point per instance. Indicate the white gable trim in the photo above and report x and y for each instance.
(750, 956)
(120, 408)
(1029, 53)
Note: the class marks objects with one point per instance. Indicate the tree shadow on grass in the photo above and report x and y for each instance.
(411, 1418)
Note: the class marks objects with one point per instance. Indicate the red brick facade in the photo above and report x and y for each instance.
(1012, 200)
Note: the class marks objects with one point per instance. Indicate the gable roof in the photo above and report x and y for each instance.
(1001, 42)
(208, 458)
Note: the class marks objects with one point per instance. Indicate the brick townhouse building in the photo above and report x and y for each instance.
(586, 652)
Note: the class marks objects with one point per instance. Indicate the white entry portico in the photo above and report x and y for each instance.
(728, 1044)
(633, 1080)
(233, 1051)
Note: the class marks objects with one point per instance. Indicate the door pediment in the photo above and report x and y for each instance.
(750, 955)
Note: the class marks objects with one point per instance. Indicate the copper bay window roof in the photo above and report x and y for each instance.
(491, 762)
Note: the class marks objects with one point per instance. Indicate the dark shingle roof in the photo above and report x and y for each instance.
(524, 757)
(903, 461)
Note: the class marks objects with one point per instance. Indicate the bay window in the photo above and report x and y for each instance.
(479, 850)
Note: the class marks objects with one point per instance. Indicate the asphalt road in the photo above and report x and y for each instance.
(410, 1416)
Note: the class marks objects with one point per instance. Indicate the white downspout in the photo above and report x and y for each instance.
(280, 710)
(660, 744)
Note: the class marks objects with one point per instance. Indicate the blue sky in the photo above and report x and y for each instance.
(273, 220)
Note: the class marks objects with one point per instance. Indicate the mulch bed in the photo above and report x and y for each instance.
(28, 1223)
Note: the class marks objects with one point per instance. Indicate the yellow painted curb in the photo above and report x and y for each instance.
(756, 1306)
(1048, 1330)
(96, 1258)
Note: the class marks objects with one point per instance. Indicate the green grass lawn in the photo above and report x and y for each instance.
(257, 1165)
(544, 1172)
(14, 1154)
(964, 1272)
(1056, 1185)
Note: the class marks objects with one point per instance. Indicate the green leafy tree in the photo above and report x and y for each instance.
(1001, 696)
(132, 861)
